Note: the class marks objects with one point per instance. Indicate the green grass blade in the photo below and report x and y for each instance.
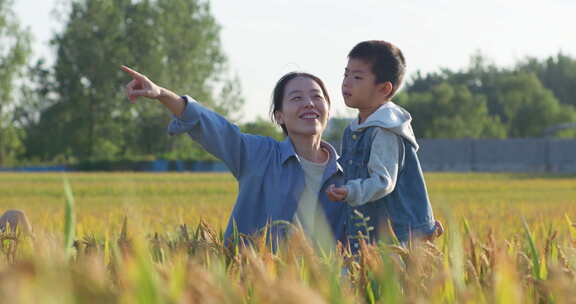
(571, 226)
(533, 252)
(69, 221)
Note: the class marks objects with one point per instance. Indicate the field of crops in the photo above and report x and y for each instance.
(156, 238)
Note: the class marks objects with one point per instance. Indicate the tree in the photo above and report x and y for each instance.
(175, 42)
(262, 127)
(335, 131)
(556, 73)
(14, 52)
(517, 103)
(451, 111)
(528, 108)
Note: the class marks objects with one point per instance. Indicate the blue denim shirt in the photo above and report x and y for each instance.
(407, 206)
(269, 173)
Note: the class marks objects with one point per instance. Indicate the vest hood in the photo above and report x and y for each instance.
(391, 117)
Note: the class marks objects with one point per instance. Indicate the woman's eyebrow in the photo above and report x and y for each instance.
(294, 92)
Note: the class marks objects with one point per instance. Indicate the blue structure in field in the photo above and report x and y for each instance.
(453, 155)
(36, 169)
(160, 165)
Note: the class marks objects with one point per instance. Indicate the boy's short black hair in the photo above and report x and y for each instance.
(388, 63)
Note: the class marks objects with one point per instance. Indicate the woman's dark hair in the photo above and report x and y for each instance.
(278, 93)
(388, 63)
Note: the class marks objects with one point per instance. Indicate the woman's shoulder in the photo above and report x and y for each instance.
(263, 147)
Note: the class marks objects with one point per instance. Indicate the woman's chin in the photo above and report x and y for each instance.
(308, 132)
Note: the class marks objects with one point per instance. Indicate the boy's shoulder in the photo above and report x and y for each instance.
(392, 121)
(388, 116)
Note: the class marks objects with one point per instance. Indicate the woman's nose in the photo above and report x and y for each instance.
(308, 102)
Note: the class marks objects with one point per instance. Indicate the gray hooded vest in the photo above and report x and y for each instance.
(407, 207)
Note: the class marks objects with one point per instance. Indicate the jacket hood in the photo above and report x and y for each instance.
(391, 117)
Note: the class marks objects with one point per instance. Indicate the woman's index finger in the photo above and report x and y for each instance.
(131, 72)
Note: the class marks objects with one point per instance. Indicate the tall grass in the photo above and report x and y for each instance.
(528, 258)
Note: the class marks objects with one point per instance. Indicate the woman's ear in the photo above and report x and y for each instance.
(278, 117)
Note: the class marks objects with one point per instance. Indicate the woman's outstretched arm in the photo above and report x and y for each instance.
(214, 132)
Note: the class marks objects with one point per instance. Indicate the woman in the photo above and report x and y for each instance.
(278, 181)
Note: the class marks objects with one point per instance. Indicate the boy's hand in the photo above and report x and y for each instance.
(437, 233)
(336, 194)
(439, 229)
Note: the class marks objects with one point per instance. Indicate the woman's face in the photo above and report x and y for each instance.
(304, 108)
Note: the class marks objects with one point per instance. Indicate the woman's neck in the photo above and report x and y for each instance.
(309, 148)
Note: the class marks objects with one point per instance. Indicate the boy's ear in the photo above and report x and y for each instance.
(386, 88)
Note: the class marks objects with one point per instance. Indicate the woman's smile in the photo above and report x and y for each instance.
(310, 115)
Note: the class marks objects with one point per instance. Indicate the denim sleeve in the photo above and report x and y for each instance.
(382, 167)
(219, 137)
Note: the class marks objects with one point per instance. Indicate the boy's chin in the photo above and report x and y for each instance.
(349, 103)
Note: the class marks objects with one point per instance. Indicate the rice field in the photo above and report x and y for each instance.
(157, 238)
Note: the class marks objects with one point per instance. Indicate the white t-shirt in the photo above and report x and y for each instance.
(309, 211)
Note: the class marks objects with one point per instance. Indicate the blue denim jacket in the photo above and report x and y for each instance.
(407, 206)
(269, 174)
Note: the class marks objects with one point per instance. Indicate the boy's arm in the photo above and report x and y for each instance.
(382, 167)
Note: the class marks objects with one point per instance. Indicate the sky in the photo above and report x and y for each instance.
(265, 39)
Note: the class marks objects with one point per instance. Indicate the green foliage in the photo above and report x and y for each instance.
(527, 107)
(335, 130)
(557, 73)
(14, 52)
(11, 144)
(484, 101)
(264, 128)
(451, 111)
(176, 43)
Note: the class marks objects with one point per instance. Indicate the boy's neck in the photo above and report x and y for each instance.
(365, 112)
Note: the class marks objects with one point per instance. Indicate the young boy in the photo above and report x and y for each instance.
(384, 180)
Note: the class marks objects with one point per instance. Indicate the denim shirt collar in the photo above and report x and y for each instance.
(333, 166)
(287, 150)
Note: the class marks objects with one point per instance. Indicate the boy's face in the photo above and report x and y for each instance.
(358, 86)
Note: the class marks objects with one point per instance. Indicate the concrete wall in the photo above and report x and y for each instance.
(498, 155)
